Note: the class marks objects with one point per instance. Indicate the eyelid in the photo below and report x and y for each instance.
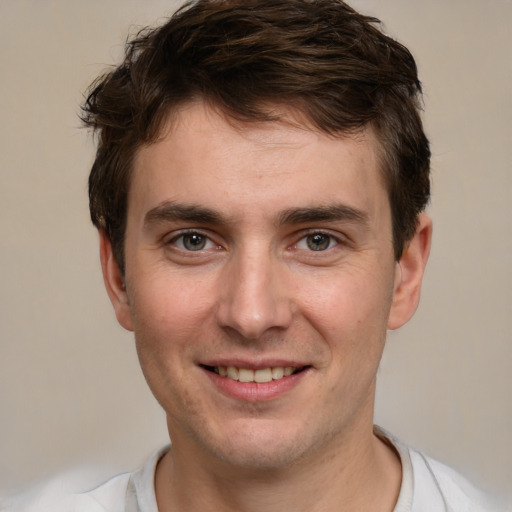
(171, 239)
(337, 237)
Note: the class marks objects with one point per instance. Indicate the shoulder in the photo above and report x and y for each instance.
(456, 492)
(429, 485)
(88, 491)
(72, 492)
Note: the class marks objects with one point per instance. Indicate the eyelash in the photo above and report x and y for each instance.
(332, 241)
(182, 236)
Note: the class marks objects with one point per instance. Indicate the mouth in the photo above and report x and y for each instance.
(248, 375)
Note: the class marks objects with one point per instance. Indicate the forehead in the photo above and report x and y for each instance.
(203, 155)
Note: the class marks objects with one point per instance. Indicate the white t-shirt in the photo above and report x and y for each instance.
(427, 486)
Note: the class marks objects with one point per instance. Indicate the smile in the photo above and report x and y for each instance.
(248, 375)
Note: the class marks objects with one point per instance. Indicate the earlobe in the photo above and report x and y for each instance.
(409, 274)
(114, 282)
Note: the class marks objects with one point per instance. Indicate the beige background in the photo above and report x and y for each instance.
(71, 392)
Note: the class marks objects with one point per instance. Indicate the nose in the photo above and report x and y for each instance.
(253, 296)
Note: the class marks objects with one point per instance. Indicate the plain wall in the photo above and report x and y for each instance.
(71, 392)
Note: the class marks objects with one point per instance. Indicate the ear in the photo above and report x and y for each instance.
(114, 282)
(409, 274)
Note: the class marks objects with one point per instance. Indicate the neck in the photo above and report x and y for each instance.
(342, 475)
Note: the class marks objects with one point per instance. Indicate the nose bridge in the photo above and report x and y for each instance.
(254, 298)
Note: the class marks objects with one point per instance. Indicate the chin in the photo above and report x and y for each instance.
(259, 457)
(269, 447)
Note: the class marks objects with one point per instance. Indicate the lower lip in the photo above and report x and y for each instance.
(256, 391)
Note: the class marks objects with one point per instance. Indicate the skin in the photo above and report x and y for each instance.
(257, 295)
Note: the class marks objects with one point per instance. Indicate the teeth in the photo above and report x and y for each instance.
(277, 373)
(264, 375)
(288, 371)
(245, 375)
(232, 372)
(248, 375)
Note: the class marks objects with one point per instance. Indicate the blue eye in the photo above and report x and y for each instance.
(317, 242)
(193, 242)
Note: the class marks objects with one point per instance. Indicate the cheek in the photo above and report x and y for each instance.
(349, 305)
(168, 321)
(169, 308)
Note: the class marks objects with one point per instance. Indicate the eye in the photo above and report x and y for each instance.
(193, 242)
(317, 242)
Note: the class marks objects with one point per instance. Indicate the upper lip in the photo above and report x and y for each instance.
(254, 364)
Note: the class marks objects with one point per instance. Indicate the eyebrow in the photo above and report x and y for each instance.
(169, 211)
(328, 213)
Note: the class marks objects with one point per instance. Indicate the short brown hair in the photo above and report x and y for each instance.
(320, 57)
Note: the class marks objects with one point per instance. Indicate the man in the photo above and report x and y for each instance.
(259, 190)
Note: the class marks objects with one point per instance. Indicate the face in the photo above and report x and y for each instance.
(260, 282)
